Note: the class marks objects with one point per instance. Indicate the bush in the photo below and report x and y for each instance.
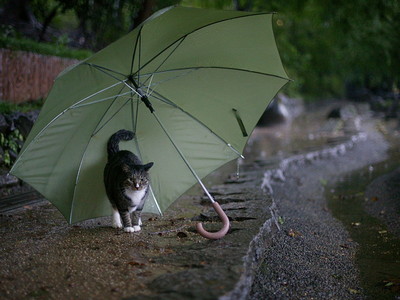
(24, 44)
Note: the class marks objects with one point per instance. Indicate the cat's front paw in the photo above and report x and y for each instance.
(117, 225)
(129, 229)
(132, 229)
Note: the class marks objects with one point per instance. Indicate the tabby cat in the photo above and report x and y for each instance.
(126, 181)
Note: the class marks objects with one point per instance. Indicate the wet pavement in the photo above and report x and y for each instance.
(286, 240)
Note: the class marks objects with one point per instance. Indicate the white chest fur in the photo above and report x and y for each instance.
(136, 196)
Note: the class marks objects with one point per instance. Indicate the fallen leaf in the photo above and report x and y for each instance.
(281, 220)
(355, 224)
(135, 263)
(293, 233)
(374, 199)
(389, 284)
(353, 291)
(393, 284)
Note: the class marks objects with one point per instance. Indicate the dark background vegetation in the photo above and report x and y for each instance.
(330, 48)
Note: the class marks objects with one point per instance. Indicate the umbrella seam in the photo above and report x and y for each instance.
(222, 68)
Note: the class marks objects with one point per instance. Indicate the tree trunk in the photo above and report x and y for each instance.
(47, 22)
(145, 12)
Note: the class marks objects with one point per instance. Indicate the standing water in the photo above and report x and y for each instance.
(373, 222)
(358, 199)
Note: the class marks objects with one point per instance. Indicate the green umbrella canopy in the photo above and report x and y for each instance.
(190, 83)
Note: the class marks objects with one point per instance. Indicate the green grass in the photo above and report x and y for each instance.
(24, 44)
(8, 107)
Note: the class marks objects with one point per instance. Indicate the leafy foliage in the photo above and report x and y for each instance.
(11, 144)
(328, 44)
(325, 45)
(9, 107)
(25, 44)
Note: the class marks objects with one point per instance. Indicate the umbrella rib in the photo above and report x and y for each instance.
(184, 158)
(134, 50)
(64, 111)
(120, 81)
(188, 71)
(102, 117)
(168, 56)
(114, 114)
(134, 115)
(155, 200)
(197, 29)
(140, 156)
(140, 53)
(84, 153)
(101, 100)
(103, 68)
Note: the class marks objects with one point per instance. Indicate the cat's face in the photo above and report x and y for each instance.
(137, 181)
(137, 178)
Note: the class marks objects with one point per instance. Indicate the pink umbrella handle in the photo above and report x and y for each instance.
(219, 234)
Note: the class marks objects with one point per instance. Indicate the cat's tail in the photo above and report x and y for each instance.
(113, 142)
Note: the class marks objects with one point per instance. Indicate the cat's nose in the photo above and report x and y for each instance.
(137, 185)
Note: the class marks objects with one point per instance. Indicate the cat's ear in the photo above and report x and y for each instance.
(126, 168)
(146, 167)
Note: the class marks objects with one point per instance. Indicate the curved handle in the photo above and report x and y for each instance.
(219, 234)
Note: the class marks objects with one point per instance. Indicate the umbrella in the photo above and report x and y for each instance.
(190, 83)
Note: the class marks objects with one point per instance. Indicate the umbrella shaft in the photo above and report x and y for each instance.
(184, 159)
(140, 93)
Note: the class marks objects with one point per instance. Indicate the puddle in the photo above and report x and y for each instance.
(378, 253)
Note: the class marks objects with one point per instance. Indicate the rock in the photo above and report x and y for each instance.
(22, 121)
(344, 112)
(281, 110)
(334, 113)
(8, 180)
(3, 124)
(276, 113)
